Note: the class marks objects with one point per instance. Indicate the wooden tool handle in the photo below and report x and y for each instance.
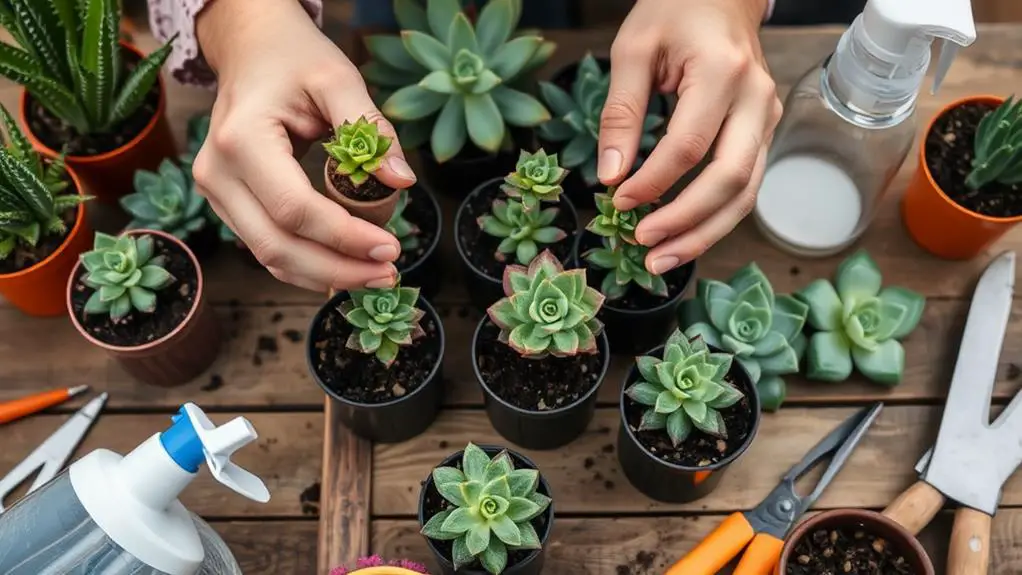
(969, 549)
(916, 507)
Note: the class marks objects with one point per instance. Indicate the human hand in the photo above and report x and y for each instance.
(708, 52)
(282, 85)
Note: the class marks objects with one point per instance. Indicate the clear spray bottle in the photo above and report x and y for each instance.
(849, 123)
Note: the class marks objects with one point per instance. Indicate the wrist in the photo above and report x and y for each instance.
(225, 29)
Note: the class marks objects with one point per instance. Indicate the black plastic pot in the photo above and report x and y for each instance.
(457, 177)
(395, 420)
(427, 271)
(483, 289)
(540, 429)
(633, 331)
(668, 482)
(204, 243)
(533, 563)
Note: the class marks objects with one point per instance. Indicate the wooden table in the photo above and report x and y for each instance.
(604, 526)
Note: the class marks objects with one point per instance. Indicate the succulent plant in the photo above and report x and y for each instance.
(70, 61)
(522, 232)
(165, 201)
(405, 231)
(614, 224)
(452, 80)
(537, 178)
(383, 320)
(125, 274)
(745, 317)
(684, 390)
(859, 323)
(198, 129)
(358, 148)
(576, 119)
(625, 264)
(998, 147)
(547, 311)
(492, 506)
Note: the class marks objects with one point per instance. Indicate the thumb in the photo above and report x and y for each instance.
(621, 121)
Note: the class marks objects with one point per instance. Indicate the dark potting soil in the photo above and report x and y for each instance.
(481, 247)
(360, 377)
(535, 384)
(370, 190)
(24, 257)
(846, 551)
(949, 153)
(636, 298)
(421, 212)
(173, 304)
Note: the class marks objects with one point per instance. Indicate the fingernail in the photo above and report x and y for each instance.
(610, 164)
(665, 264)
(384, 253)
(650, 239)
(381, 283)
(624, 203)
(400, 167)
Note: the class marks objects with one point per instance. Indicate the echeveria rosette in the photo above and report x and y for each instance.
(384, 319)
(167, 201)
(745, 317)
(405, 231)
(522, 232)
(359, 149)
(625, 264)
(684, 390)
(614, 224)
(547, 311)
(859, 323)
(492, 506)
(126, 274)
(537, 178)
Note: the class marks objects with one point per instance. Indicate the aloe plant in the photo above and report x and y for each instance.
(446, 81)
(125, 273)
(69, 59)
(165, 201)
(383, 320)
(998, 147)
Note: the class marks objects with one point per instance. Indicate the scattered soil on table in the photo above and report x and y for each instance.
(636, 298)
(293, 335)
(535, 384)
(370, 190)
(481, 247)
(421, 212)
(215, 383)
(24, 257)
(644, 563)
(362, 378)
(846, 551)
(949, 154)
(173, 304)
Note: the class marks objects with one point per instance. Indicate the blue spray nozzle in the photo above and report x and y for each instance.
(182, 444)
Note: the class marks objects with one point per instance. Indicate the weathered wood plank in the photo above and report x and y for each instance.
(271, 547)
(347, 485)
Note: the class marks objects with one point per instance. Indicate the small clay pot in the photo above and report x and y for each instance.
(377, 212)
(869, 521)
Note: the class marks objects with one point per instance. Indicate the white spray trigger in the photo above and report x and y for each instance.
(219, 443)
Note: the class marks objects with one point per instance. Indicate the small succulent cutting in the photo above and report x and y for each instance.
(445, 81)
(383, 320)
(359, 149)
(537, 178)
(576, 119)
(745, 317)
(998, 147)
(522, 232)
(405, 231)
(126, 274)
(613, 223)
(859, 323)
(684, 390)
(619, 253)
(166, 201)
(547, 310)
(492, 506)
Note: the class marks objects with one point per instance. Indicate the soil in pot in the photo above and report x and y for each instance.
(635, 299)
(847, 551)
(24, 257)
(370, 190)
(422, 212)
(949, 154)
(172, 304)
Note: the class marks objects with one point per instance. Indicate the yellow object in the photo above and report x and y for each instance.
(385, 570)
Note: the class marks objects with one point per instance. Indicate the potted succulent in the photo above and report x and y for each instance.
(967, 190)
(140, 297)
(354, 153)
(86, 93)
(486, 510)
(746, 318)
(417, 223)
(640, 308)
(688, 411)
(378, 353)
(43, 226)
(503, 221)
(857, 322)
(852, 541)
(446, 83)
(540, 354)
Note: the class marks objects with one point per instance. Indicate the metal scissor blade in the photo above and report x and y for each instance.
(844, 439)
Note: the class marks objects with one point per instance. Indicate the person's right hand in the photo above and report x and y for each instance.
(281, 85)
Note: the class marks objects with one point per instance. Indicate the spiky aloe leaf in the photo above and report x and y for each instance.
(137, 85)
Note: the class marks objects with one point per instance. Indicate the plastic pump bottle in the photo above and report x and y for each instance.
(849, 123)
(113, 515)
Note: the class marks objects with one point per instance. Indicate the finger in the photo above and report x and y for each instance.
(297, 281)
(631, 79)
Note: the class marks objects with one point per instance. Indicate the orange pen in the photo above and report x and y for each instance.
(760, 532)
(11, 410)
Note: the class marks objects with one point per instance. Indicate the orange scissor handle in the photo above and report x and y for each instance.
(717, 549)
(761, 556)
(18, 408)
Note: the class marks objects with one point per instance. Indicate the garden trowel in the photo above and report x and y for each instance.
(972, 458)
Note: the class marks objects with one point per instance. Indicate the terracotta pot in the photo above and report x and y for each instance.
(937, 223)
(177, 357)
(39, 290)
(377, 212)
(109, 175)
(870, 521)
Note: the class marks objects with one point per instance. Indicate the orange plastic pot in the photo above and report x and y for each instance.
(39, 290)
(935, 221)
(109, 175)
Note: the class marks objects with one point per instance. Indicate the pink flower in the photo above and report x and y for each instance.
(376, 561)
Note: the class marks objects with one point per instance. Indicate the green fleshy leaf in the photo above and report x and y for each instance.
(824, 305)
(433, 529)
(679, 427)
(885, 364)
(519, 108)
(484, 122)
(451, 491)
(858, 277)
(913, 303)
(829, 357)
(772, 391)
(494, 557)
(478, 538)
(643, 393)
(474, 461)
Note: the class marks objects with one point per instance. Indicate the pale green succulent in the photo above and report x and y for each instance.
(547, 311)
(684, 390)
(522, 232)
(405, 231)
(165, 201)
(358, 148)
(537, 178)
(125, 274)
(492, 507)
(383, 320)
(616, 225)
(625, 264)
(447, 82)
(198, 129)
(859, 323)
(745, 317)
(998, 147)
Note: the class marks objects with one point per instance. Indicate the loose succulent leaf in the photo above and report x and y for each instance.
(382, 321)
(125, 274)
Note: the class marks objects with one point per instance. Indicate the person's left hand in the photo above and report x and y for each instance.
(708, 52)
